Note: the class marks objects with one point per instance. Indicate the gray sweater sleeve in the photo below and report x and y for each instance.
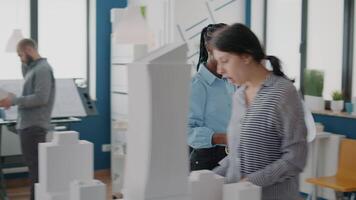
(24, 70)
(294, 145)
(42, 89)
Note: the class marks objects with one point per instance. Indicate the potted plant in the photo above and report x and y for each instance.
(313, 89)
(337, 104)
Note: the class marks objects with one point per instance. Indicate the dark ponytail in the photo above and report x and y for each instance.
(277, 68)
(276, 65)
(205, 37)
(239, 39)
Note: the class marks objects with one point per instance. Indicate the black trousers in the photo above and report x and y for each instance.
(30, 138)
(206, 158)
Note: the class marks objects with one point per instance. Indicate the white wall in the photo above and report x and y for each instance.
(183, 20)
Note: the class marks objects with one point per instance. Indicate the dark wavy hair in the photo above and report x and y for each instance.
(239, 39)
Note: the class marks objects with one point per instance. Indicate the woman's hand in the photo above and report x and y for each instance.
(243, 179)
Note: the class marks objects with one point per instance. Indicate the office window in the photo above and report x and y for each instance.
(325, 39)
(284, 35)
(14, 14)
(62, 36)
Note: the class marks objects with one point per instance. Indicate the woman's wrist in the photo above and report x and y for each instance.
(219, 138)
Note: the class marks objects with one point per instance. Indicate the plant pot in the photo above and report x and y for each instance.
(337, 106)
(314, 103)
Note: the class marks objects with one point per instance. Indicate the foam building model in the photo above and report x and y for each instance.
(241, 191)
(157, 162)
(205, 185)
(156, 165)
(66, 170)
(87, 190)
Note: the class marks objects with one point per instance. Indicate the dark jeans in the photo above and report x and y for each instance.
(30, 138)
(206, 158)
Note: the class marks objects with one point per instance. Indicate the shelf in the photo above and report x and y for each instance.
(333, 114)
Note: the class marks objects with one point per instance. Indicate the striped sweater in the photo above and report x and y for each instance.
(272, 143)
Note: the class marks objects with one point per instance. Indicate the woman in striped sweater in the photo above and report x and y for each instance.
(267, 132)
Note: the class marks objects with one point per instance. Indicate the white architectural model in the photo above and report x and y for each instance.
(157, 162)
(87, 190)
(169, 21)
(205, 185)
(241, 191)
(63, 162)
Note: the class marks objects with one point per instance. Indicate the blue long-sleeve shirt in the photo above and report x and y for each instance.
(210, 108)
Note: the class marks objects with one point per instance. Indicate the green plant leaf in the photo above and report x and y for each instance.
(337, 96)
(143, 11)
(313, 82)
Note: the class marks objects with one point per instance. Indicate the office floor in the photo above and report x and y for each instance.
(22, 192)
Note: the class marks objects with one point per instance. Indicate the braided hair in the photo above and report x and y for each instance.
(205, 37)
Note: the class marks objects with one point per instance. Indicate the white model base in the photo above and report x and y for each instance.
(43, 195)
(87, 190)
(205, 185)
(62, 161)
(171, 198)
(242, 191)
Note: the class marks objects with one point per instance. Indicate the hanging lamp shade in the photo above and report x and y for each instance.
(15, 37)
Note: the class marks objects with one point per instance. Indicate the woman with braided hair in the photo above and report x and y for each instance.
(210, 107)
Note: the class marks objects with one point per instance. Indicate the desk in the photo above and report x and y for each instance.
(17, 160)
(322, 160)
